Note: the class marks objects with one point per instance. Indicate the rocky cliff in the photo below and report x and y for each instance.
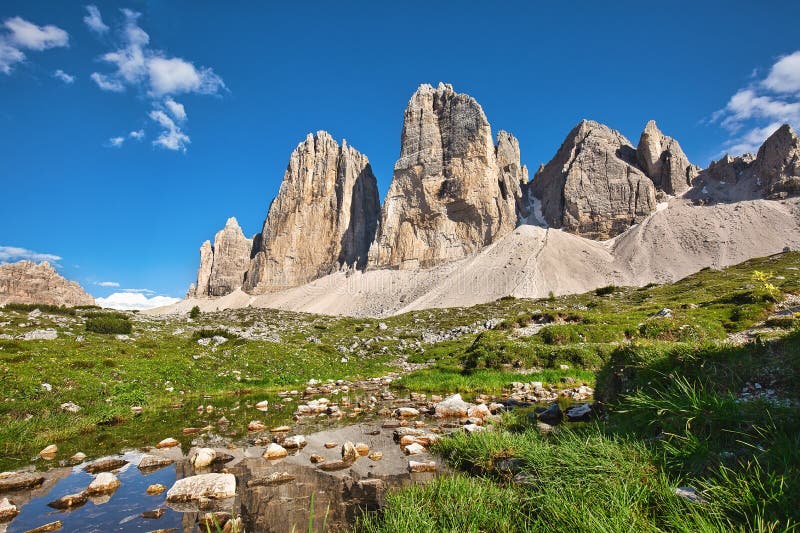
(223, 266)
(773, 173)
(592, 186)
(662, 160)
(28, 282)
(323, 219)
(453, 191)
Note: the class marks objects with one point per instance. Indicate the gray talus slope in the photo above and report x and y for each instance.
(532, 261)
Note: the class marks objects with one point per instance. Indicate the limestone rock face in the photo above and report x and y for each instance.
(513, 177)
(28, 282)
(453, 192)
(204, 272)
(223, 266)
(592, 186)
(663, 161)
(323, 219)
(773, 173)
(777, 165)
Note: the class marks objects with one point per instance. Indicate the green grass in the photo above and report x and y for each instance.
(668, 383)
(453, 504)
(673, 419)
(484, 381)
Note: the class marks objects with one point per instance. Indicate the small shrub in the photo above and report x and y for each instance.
(608, 289)
(216, 332)
(195, 312)
(109, 324)
(786, 322)
(488, 351)
(560, 334)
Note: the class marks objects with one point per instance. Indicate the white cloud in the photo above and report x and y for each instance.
(8, 56)
(143, 291)
(158, 76)
(754, 112)
(171, 137)
(784, 76)
(106, 83)
(175, 76)
(13, 253)
(17, 34)
(134, 301)
(137, 134)
(176, 110)
(116, 142)
(94, 20)
(63, 76)
(751, 141)
(28, 35)
(106, 283)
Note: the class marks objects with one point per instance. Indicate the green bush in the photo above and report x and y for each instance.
(608, 289)
(195, 312)
(560, 334)
(488, 351)
(216, 332)
(44, 308)
(109, 324)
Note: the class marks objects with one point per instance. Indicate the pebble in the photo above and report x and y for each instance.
(274, 451)
(414, 466)
(49, 452)
(169, 442)
(256, 425)
(156, 488)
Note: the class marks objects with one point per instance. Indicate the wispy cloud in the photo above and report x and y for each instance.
(142, 291)
(63, 76)
(754, 112)
(10, 254)
(137, 134)
(171, 137)
(116, 142)
(156, 75)
(18, 34)
(106, 83)
(134, 301)
(106, 283)
(94, 20)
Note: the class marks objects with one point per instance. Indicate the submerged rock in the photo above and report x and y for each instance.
(69, 501)
(209, 486)
(452, 406)
(104, 483)
(551, 415)
(19, 480)
(105, 464)
(275, 451)
(202, 457)
(7, 510)
(156, 488)
(153, 462)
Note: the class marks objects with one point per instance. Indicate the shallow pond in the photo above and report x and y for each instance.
(305, 493)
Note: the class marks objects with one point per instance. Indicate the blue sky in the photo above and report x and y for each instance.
(130, 131)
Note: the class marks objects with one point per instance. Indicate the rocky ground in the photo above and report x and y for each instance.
(215, 393)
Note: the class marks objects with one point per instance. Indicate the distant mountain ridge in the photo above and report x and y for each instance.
(456, 191)
(31, 283)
